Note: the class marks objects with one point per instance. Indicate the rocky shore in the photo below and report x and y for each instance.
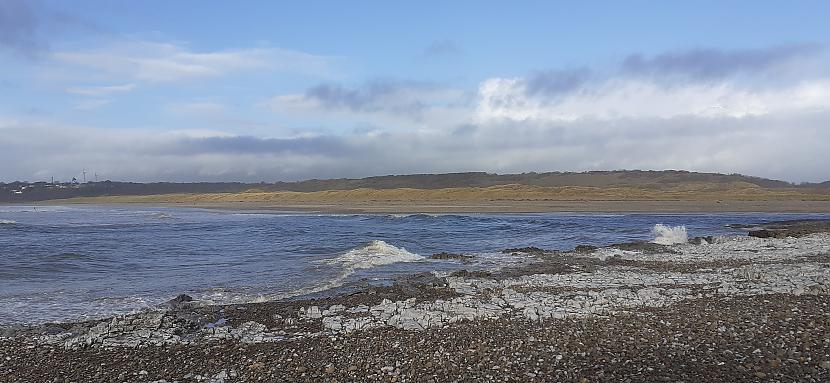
(746, 308)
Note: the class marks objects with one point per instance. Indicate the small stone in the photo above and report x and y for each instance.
(256, 366)
(143, 372)
(352, 368)
(760, 375)
(302, 369)
(825, 365)
(330, 369)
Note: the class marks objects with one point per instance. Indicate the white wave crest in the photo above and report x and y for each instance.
(160, 216)
(669, 235)
(7, 222)
(410, 215)
(375, 253)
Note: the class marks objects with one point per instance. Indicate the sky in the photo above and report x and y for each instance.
(279, 91)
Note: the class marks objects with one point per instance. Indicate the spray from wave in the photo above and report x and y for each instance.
(373, 254)
(669, 235)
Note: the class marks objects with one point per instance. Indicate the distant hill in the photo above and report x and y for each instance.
(23, 191)
(551, 179)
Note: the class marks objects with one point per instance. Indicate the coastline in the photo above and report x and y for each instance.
(640, 311)
(509, 198)
(504, 206)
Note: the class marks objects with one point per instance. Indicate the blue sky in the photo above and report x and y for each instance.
(251, 91)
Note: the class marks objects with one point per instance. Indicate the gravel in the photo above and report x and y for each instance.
(726, 309)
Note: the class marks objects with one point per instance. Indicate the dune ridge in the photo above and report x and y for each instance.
(738, 191)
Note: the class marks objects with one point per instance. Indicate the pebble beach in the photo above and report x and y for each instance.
(732, 308)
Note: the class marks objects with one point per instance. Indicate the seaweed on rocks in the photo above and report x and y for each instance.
(530, 250)
(645, 247)
(784, 229)
(452, 256)
(702, 240)
(585, 249)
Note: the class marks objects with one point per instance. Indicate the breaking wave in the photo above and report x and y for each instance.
(7, 222)
(411, 215)
(160, 216)
(669, 235)
(373, 254)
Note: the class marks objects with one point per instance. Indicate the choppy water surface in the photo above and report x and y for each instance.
(59, 263)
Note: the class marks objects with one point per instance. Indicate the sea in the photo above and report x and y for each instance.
(62, 263)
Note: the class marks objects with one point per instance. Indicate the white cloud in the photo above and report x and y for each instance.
(162, 62)
(722, 117)
(784, 146)
(509, 98)
(100, 90)
(700, 82)
(393, 105)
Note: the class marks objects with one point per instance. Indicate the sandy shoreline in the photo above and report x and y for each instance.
(718, 309)
(380, 207)
(512, 198)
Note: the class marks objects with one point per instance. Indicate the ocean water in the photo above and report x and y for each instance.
(78, 262)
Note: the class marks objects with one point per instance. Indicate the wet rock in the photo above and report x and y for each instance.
(453, 256)
(179, 300)
(645, 247)
(467, 273)
(794, 228)
(531, 250)
(764, 233)
(643, 317)
(585, 249)
(702, 240)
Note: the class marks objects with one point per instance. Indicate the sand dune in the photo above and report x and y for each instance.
(689, 192)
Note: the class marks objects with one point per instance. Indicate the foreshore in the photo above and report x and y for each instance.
(512, 198)
(715, 309)
(504, 206)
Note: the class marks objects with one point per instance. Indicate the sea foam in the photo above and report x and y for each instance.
(669, 235)
(160, 216)
(373, 254)
(7, 222)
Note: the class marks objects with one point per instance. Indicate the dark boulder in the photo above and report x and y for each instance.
(585, 249)
(784, 229)
(645, 247)
(700, 240)
(525, 250)
(445, 255)
(180, 300)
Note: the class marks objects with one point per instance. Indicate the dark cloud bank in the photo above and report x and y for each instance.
(759, 146)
